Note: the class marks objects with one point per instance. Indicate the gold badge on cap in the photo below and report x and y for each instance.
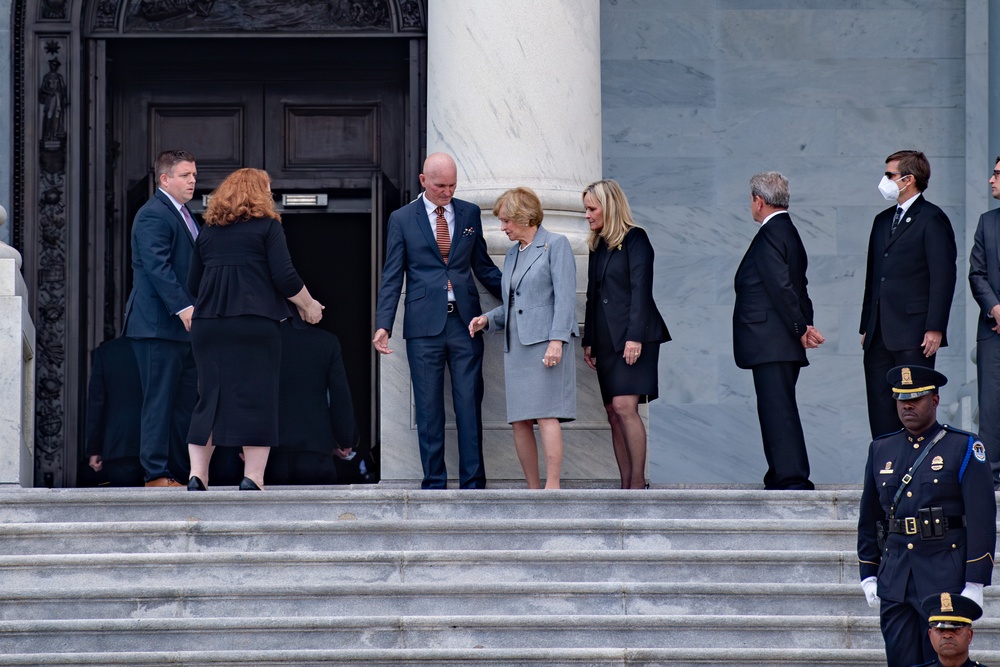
(937, 463)
(946, 602)
(907, 378)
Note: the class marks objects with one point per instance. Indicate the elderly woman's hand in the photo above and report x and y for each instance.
(553, 353)
(632, 352)
(477, 324)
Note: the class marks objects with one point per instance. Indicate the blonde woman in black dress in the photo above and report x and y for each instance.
(622, 327)
(243, 280)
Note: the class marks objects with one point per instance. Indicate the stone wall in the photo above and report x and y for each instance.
(699, 96)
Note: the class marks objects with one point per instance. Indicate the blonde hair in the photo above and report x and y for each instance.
(616, 211)
(245, 194)
(521, 205)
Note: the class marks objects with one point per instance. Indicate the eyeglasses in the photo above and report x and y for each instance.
(890, 174)
(996, 173)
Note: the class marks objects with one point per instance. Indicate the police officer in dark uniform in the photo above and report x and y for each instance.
(928, 516)
(951, 618)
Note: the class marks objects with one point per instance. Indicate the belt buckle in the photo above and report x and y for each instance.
(451, 306)
(910, 525)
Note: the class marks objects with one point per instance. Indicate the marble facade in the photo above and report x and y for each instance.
(696, 97)
(692, 98)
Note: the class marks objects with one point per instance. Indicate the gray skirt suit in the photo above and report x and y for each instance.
(539, 305)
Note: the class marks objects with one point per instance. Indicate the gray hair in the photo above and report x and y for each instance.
(770, 186)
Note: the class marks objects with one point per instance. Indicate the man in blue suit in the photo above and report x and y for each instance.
(437, 242)
(158, 318)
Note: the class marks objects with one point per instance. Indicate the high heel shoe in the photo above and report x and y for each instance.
(195, 484)
(248, 485)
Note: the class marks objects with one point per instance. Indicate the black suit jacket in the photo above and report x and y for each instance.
(773, 307)
(625, 273)
(984, 271)
(910, 279)
(315, 410)
(161, 257)
(114, 401)
(243, 269)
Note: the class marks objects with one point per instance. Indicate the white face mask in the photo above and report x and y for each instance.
(889, 188)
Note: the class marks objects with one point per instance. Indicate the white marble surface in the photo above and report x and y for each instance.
(514, 95)
(17, 341)
(699, 96)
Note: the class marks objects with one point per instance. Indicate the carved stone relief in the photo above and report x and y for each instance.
(229, 15)
(53, 100)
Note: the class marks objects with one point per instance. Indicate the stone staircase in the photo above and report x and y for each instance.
(389, 577)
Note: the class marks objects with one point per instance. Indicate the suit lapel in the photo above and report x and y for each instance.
(178, 218)
(603, 257)
(530, 256)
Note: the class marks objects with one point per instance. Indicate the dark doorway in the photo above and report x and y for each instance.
(331, 254)
(331, 116)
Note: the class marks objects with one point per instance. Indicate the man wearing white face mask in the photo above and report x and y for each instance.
(909, 283)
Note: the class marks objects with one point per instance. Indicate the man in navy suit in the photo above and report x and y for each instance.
(909, 283)
(773, 327)
(158, 318)
(437, 242)
(984, 277)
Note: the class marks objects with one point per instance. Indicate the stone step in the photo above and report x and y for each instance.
(519, 657)
(72, 571)
(450, 632)
(440, 598)
(366, 503)
(424, 535)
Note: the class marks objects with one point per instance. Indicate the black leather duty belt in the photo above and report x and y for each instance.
(929, 523)
(451, 306)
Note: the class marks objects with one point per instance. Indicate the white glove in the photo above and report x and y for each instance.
(870, 587)
(974, 592)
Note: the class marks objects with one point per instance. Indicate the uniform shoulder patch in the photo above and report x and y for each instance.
(884, 435)
(979, 451)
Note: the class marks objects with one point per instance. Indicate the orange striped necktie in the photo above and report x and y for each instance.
(443, 239)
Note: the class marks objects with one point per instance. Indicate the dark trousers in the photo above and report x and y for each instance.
(780, 427)
(904, 629)
(463, 355)
(287, 466)
(169, 391)
(988, 376)
(882, 415)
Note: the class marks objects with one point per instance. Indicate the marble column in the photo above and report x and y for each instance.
(17, 371)
(514, 94)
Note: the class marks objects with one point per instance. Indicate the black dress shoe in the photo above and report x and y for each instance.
(195, 484)
(248, 485)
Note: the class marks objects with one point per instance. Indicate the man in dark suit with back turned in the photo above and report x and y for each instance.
(772, 328)
(909, 283)
(984, 278)
(158, 317)
(437, 243)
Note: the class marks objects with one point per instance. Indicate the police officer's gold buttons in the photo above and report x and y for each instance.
(909, 494)
(910, 545)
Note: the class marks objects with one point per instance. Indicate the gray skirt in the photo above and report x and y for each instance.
(534, 390)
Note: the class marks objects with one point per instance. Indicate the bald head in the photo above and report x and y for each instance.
(439, 178)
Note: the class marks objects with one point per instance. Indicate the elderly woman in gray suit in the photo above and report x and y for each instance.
(538, 316)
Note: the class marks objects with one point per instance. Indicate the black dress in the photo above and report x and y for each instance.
(620, 308)
(241, 276)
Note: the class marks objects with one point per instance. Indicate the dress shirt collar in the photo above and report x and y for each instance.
(449, 210)
(173, 201)
(908, 203)
(764, 221)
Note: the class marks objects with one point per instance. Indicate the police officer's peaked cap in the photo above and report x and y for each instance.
(950, 610)
(909, 382)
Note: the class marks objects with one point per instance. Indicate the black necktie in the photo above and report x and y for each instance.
(895, 220)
